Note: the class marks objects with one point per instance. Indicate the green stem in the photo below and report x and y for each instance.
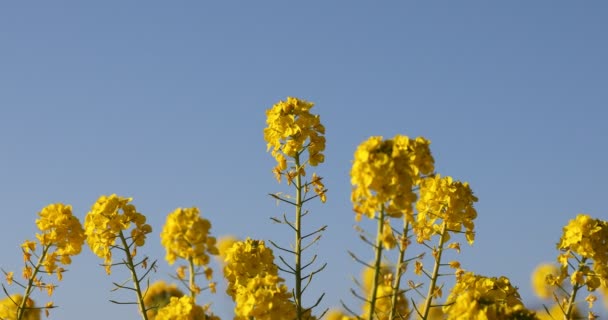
(435, 275)
(398, 273)
(191, 283)
(30, 283)
(377, 264)
(131, 267)
(575, 288)
(298, 248)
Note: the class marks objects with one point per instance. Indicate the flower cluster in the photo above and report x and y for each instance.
(60, 230)
(384, 173)
(9, 305)
(183, 308)
(446, 200)
(291, 129)
(108, 218)
(479, 297)
(254, 284)
(186, 236)
(588, 238)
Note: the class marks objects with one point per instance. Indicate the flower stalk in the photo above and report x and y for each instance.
(136, 280)
(377, 265)
(298, 240)
(435, 275)
(30, 282)
(399, 269)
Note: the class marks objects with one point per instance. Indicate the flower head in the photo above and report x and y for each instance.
(291, 129)
(479, 297)
(587, 237)
(186, 235)
(384, 173)
(254, 284)
(61, 237)
(61, 229)
(442, 199)
(108, 218)
(183, 308)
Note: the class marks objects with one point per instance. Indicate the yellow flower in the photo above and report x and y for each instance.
(61, 237)
(587, 237)
(183, 308)
(8, 308)
(158, 295)
(291, 129)
(61, 229)
(254, 284)
(186, 236)
(384, 173)
(108, 218)
(479, 297)
(444, 200)
(542, 289)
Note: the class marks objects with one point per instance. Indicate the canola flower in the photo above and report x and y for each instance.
(254, 284)
(443, 200)
(384, 173)
(292, 132)
(186, 235)
(584, 239)
(61, 236)
(108, 221)
(445, 206)
(480, 297)
(61, 230)
(183, 308)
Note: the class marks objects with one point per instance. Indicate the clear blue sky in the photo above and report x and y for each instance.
(164, 102)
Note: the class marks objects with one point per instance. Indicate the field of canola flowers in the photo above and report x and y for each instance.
(417, 211)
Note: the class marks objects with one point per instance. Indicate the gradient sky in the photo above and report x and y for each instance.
(164, 102)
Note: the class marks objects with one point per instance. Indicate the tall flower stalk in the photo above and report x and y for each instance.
(295, 139)
(445, 206)
(186, 235)
(583, 249)
(61, 237)
(384, 175)
(109, 220)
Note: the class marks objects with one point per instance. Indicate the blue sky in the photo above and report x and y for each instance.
(164, 102)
